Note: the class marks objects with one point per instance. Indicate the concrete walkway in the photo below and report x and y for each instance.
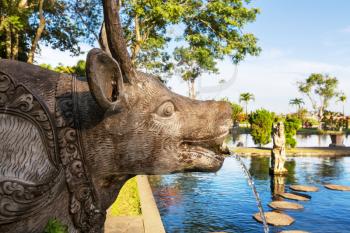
(124, 224)
(148, 222)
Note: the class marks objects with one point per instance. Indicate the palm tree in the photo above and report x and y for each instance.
(297, 102)
(342, 98)
(246, 98)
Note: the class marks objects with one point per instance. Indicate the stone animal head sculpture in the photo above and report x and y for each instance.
(67, 145)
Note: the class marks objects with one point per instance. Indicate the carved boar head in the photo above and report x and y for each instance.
(153, 129)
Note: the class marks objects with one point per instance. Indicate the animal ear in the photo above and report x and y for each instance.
(105, 78)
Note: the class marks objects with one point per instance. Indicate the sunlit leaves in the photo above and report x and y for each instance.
(214, 30)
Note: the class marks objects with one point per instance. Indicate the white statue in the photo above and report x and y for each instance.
(278, 153)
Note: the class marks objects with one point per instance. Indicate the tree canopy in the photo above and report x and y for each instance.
(291, 126)
(61, 24)
(214, 30)
(261, 126)
(208, 31)
(246, 97)
(320, 90)
(145, 25)
(78, 69)
(297, 102)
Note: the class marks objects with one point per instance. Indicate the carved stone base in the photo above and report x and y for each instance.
(337, 140)
(278, 172)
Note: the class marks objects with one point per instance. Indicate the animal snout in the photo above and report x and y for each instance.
(223, 115)
(206, 120)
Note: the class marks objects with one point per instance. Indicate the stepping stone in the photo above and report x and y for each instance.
(293, 196)
(285, 205)
(294, 231)
(275, 219)
(304, 188)
(337, 187)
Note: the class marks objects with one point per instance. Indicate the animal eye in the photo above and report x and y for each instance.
(166, 109)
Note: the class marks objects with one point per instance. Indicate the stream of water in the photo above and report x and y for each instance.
(255, 192)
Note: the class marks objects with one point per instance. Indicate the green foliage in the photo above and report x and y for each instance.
(78, 69)
(311, 122)
(333, 121)
(13, 22)
(237, 111)
(297, 102)
(261, 126)
(291, 126)
(128, 200)
(342, 97)
(67, 23)
(145, 25)
(246, 98)
(212, 31)
(55, 226)
(320, 90)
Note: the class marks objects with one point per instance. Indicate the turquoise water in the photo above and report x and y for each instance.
(223, 201)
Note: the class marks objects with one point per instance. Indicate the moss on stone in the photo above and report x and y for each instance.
(128, 201)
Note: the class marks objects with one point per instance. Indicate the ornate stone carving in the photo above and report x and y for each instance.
(83, 204)
(20, 198)
(114, 124)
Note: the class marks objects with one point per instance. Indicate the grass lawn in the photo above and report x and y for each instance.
(306, 131)
(128, 201)
(299, 151)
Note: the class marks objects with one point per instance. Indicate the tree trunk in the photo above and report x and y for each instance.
(8, 43)
(320, 117)
(192, 90)
(14, 45)
(137, 47)
(38, 33)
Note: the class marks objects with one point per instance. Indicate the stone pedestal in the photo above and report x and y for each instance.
(278, 158)
(337, 140)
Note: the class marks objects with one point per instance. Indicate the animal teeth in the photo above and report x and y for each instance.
(224, 148)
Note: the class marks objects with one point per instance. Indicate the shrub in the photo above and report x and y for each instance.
(261, 126)
(310, 123)
(291, 125)
(237, 112)
(333, 121)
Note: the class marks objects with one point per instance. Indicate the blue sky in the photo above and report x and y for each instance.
(297, 37)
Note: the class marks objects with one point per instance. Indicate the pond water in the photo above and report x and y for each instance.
(302, 140)
(223, 201)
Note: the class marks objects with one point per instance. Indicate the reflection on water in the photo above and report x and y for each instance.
(302, 140)
(278, 186)
(222, 201)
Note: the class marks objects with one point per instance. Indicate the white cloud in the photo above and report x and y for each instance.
(55, 56)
